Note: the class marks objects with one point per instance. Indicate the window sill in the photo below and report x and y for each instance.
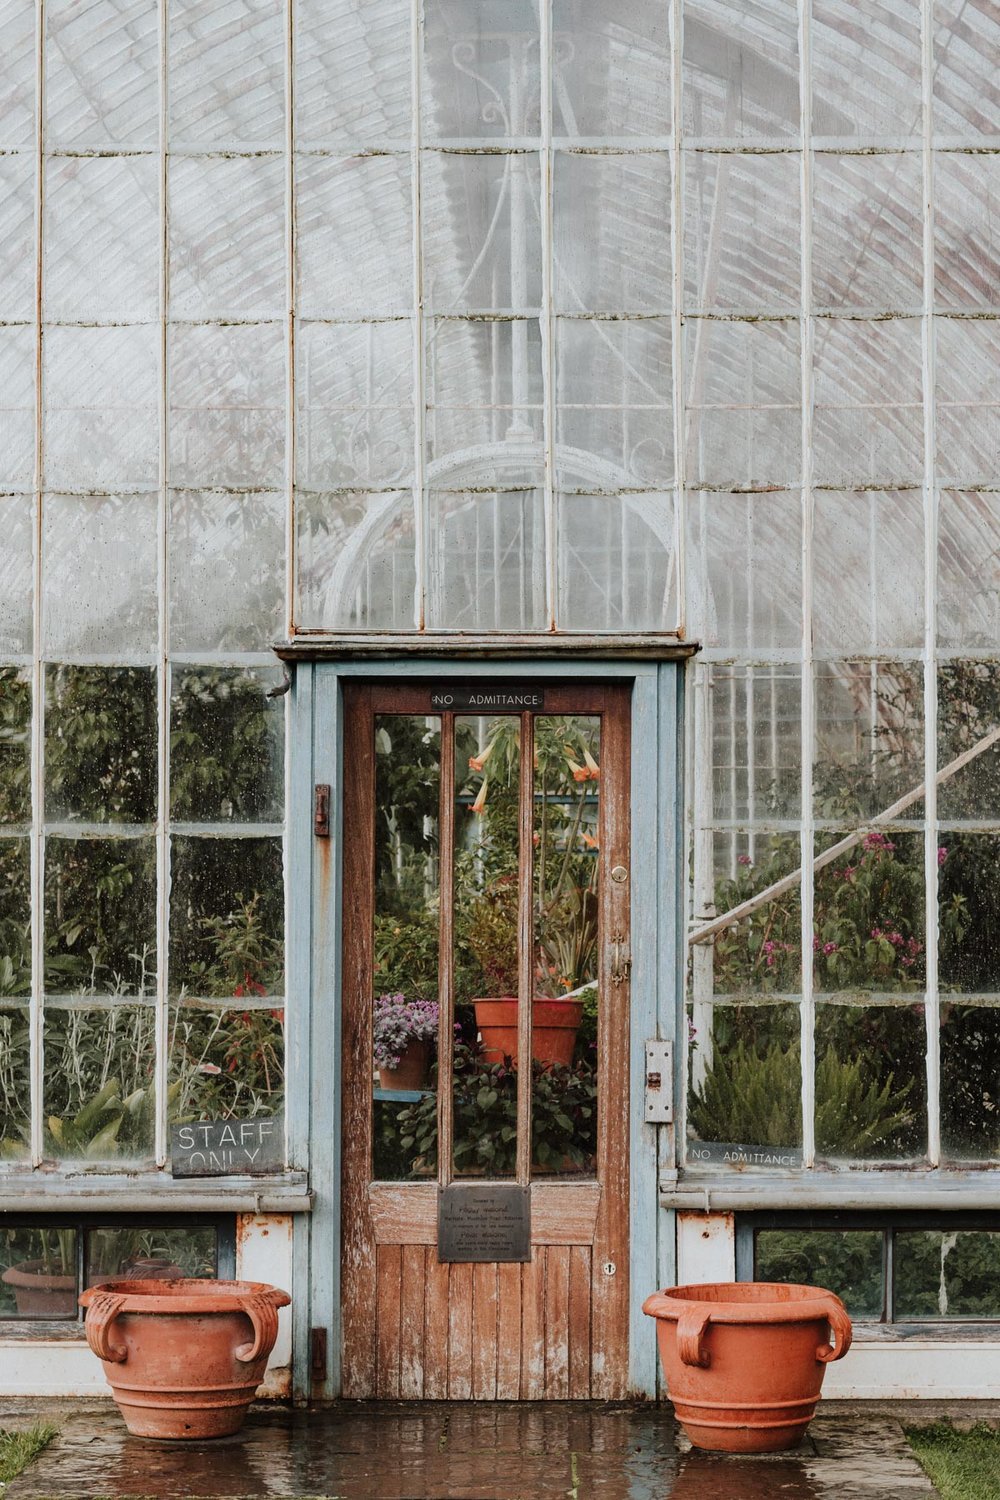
(318, 646)
(48, 1191)
(902, 1188)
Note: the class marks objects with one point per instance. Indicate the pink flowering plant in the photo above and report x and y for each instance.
(868, 928)
(399, 1021)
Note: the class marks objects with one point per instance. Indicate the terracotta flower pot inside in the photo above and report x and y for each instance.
(744, 1361)
(39, 1293)
(183, 1358)
(554, 1024)
(411, 1070)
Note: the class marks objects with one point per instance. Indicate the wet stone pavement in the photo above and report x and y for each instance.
(396, 1451)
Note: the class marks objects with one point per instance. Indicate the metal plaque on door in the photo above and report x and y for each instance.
(484, 1222)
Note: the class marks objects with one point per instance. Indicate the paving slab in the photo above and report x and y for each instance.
(463, 1451)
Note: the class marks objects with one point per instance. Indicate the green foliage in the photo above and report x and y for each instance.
(406, 953)
(18, 1448)
(226, 746)
(962, 1465)
(15, 746)
(490, 930)
(563, 1118)
(100, 743)
(847, 1261)
(951, 1274)
(753, 1096)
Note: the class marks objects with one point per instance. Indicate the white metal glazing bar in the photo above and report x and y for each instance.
(807, 1017)
(547, 322)
(419, 333)
(931, 1009)
(37, 878)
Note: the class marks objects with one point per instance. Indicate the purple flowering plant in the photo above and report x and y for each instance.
(399, 1021)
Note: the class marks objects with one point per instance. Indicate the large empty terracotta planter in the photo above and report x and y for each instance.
(554, 1024)
(183, 1358)
(744, 1361)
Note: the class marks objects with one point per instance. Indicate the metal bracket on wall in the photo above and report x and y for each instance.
(321, 811)
(659, 1101)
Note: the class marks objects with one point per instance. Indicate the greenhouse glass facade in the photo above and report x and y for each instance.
(590, 333)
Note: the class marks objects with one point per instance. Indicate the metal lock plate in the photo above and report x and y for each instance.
(659, 1090)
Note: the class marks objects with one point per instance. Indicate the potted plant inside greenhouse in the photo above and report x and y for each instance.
(403, 1038)
(43, 1283)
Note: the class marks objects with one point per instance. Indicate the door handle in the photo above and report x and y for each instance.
(621, 960)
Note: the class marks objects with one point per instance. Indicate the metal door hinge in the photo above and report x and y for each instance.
(621, 960)
(321, 810)
(659, 1108)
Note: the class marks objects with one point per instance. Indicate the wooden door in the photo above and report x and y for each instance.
(479, 847)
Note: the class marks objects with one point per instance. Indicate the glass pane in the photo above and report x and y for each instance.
(101, 407)
(227, 570)
(17, 78)
(38, 1273)
(744, 569)
(968, 712)
(617, 562)
(495, 199)
(226, 73)
(968, 606)
(869, 402)
(352, 71)
(868, 556)
(968, 419)
(566, 938)
(745, 1086)
(15, 745)
(227, 745)
(17, 400)
(871, 1089)
(599, 266)
(741, 69)
(355, 561)
(101, 74)
(970, 1071)
(487, 767)
(869, 914)
(969, 912)
(227, 237)
(15, 932)
(99, 574)
(17, 234)
(145, 1252)
(743, 402)
(406, 953)
(354, 236)
(484, 386)
(226, 917)
(881, 267)
(611, 66)
(16, 574)
(866, 69)
(100, 916)
(755, 750)
(965, 81)
(98, 1098)
(15, 1075)
(741, 232)
(102, 239)
(846, 1261)
(486, 561)
(869, 738)
(355, 405)
(942, 1274)
(225, 1063)
(614, 427)
(227, 399)
(100, 744)
(480, 69)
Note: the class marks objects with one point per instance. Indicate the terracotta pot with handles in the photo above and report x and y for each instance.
(183, 1358)
(744, 1361)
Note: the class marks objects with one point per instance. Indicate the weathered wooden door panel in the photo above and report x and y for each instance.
(555, 1327)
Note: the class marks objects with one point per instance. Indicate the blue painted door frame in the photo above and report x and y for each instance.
(314, 973)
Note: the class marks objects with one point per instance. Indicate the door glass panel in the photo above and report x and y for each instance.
(405, 977)
(487, 772)
(565, 899)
